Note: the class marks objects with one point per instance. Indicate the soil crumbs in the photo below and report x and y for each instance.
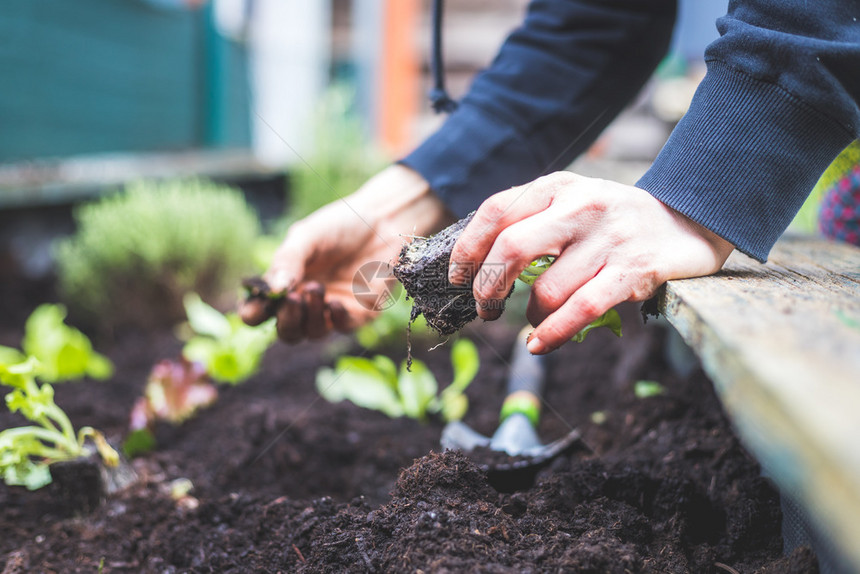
(285, 482)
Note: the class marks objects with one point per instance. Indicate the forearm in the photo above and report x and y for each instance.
(556, 83)
(779, 102)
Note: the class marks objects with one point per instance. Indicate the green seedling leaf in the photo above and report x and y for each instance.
(611, 319)
(26, 451)
(454, 406)
(19, 375)
(138, 442)
(10, 356)
(465, 361)
(646, 389)
(64, 352)
(417, 388)
(598, 417)
(205, 319)
(535, 269)
(387, 369)
(362, 382)
(377, 384)
(230, 350)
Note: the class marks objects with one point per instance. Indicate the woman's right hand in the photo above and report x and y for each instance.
(350, 239)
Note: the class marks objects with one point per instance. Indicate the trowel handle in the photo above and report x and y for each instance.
(525, 382)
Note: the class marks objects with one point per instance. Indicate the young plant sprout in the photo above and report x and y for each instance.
(26, 452)
(422, 268)
(63, 352)
(229, 350)
(174, 391)
(378, 384)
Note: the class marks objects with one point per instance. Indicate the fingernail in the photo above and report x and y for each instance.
(279, 280)
(487, 310)
(536, 346)
(456, 273)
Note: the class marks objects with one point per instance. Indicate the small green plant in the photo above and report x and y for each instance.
(378, 384)
(229, 350)
(135, 254)
(174, 392)
(63, 352)
(26, 452)
(647, 389)
(611, 319)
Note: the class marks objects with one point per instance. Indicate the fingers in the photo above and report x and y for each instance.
(309, 314)
(574, 268)
(304, 314)
(587, 304)
(288, 264)
(497, 213)
(290, 316)
(511, 252)
(254, 311)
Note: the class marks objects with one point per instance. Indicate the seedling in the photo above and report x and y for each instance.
(63, 352)
(26, 452)
(378, 384)
(229, 350)
(174, 391)
(647, 389)
(422, 268)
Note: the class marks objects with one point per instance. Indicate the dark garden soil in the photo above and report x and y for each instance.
(285, 482)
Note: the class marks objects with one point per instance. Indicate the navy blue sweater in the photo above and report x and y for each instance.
(778, 103)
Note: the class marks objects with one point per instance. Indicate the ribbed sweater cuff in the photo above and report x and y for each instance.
(744, 158)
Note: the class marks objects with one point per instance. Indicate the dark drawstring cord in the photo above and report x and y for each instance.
(439, 98)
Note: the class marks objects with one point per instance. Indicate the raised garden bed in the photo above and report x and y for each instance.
(284, 481)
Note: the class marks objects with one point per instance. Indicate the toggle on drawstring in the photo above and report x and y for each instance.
(439, 98)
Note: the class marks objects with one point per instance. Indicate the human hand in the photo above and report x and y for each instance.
(321, 254)
(612, 243)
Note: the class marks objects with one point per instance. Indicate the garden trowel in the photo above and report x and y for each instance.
(516, 435)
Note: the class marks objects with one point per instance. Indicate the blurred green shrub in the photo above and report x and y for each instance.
(137, 253)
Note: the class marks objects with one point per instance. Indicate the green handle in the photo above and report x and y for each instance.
(525, 382)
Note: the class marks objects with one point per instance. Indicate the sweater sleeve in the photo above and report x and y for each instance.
(558, 80)
(777, 105)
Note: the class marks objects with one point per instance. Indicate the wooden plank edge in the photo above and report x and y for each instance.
(796, 464)
(55, 181)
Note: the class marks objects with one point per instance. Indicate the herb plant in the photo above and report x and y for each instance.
(136, 253)
(27, 451)
(378, 384)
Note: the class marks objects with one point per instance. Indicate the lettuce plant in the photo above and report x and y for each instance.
(63, 352)
(27, 451)
(378, 384)
(174, 391)
(228, 349)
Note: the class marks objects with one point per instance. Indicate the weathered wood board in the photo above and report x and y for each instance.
(781, 342)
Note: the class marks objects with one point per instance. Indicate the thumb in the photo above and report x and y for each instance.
(288, 264)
